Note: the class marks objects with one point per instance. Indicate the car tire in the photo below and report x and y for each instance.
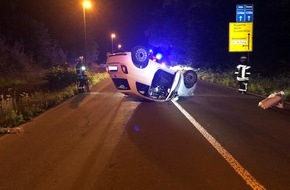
(140, 57)
(190, 78)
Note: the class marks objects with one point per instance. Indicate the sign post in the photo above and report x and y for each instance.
(241, 31)
(244, 13)
(240, 37)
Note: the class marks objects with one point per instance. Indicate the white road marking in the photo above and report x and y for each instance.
(91, 93)
(247, 177)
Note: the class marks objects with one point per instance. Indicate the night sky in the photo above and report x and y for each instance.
(128, 19)
(64, 20)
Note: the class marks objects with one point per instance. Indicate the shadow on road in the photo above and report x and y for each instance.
(77, 100)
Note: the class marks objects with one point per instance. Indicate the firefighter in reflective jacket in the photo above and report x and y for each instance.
(80, 68)
(82, 78)
(243, 75)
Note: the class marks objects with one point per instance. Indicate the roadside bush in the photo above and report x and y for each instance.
(257, 84)
(12, 58)
(59, 78)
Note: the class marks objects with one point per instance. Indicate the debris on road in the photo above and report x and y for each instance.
(273, 100)
(8, 130)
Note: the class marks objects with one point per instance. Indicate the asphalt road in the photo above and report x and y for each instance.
(218, 139)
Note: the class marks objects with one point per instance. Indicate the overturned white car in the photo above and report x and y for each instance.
(138, 73)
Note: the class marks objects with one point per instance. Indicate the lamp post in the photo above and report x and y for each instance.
(112, 37)
(86, 5)
(119, 46)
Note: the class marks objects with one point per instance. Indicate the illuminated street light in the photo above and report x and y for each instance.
(119, 46)
(86, 5)
(112, 37)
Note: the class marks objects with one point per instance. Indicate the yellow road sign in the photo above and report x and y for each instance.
(240, 37)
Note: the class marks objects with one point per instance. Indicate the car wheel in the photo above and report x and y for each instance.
(190, 78)
(140, 57)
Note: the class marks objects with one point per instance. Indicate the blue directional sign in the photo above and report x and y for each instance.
(244, 13)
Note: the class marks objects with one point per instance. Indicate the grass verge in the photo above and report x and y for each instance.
(257, 84)
(17, 108)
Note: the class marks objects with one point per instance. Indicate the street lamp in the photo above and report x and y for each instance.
(86, 5)
(119, 46)
(112, 37)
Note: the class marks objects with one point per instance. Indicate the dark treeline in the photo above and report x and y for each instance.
(41, 34)
(194, 32)
(198, 33)
(25, 42)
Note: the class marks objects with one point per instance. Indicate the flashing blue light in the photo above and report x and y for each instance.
(158, 56)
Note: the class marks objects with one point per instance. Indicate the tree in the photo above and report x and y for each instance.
(12, 58)
(179, 25)
(197, 31)
(36, 42)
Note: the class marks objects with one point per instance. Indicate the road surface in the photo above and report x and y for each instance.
(218, 139)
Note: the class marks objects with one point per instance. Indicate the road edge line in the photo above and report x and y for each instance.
(247, 177)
